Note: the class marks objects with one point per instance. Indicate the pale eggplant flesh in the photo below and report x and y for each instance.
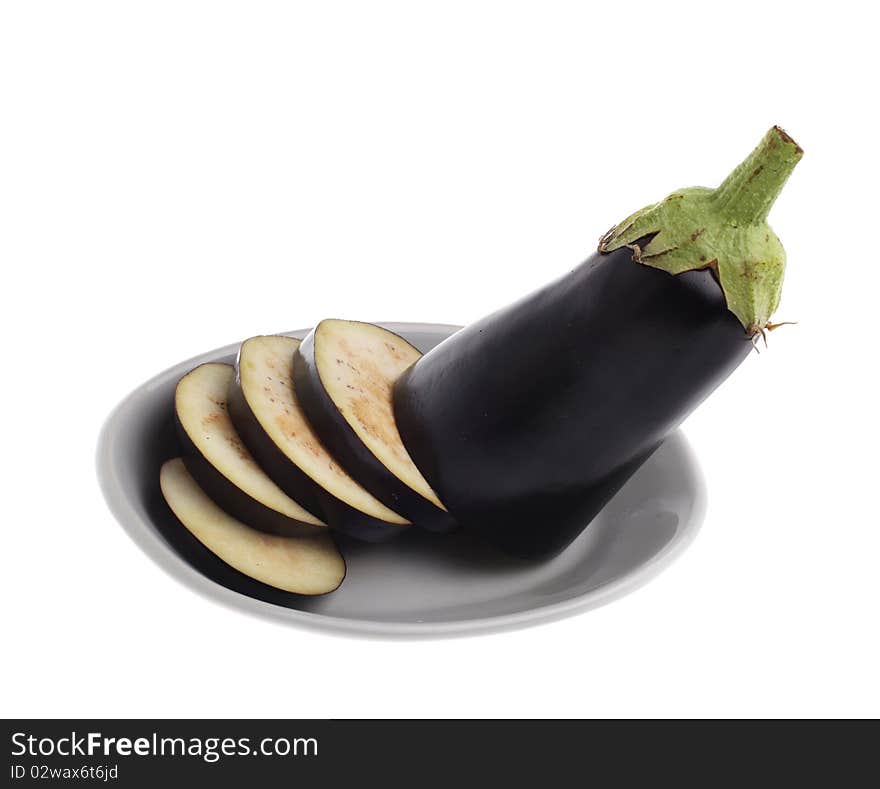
(266, 411)
(308, 565)
(344, 373)
(220, 463)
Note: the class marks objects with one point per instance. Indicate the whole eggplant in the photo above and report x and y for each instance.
(527, 422)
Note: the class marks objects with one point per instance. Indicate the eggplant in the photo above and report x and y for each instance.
(343, 374)
(527, 422)
(220, 463)
(265, 409)
(308, 565)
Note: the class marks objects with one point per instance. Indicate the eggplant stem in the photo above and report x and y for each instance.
(748, 193)
(754, 340)
(774, 326)
(762, 332)
(637, 252)
(727, 225)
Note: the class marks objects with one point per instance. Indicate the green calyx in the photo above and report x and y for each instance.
(723, 229)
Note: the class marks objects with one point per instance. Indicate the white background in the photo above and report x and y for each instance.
(178, 176)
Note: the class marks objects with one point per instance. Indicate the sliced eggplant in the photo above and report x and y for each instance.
(221, 464)
(309, 565)
(344, 374)
(265, 409)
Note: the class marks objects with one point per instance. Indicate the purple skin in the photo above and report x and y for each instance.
(527, 422)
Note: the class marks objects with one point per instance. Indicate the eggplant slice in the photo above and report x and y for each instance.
(220, 463)
(344, 374)
(265, 409)
(303, 565)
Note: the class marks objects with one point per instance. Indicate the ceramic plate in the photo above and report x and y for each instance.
(421, 584)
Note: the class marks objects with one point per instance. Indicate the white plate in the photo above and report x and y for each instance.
(421, 584)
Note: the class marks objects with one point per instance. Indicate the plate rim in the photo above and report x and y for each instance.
(144, 534)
